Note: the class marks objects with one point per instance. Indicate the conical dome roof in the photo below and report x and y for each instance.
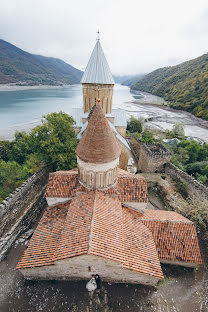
(98, 144)
(97, 70)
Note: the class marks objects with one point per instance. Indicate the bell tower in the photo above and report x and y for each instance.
(97, 81)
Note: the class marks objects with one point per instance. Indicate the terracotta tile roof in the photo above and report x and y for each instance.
(163, 215)
(62, 184)
(43, 244)
(174, 235)
(129, 188)
(98, 143)
(93, 223)
(140, 250)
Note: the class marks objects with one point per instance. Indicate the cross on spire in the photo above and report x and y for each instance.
(98, 32)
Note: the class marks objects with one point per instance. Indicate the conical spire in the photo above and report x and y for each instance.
(98, 144)
(97, 70)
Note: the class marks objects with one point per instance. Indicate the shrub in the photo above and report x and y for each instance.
(135, 125)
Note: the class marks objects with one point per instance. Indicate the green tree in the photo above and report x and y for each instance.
(12, 175)
(135, 125)
(21, 147)
(54, 142)
(5, 150)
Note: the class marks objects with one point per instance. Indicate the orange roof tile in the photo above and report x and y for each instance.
(129, 188)
(93, 223)
(174, 235)
(98, 143)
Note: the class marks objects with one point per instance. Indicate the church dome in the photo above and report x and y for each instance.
(98, 144)
(98, 153)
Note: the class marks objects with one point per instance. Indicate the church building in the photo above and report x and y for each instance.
(97, 220)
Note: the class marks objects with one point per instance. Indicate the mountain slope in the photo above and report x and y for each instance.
(185, 85)
(18, 66)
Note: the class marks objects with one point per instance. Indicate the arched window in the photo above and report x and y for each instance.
(91, 178)
(84, 176)
(89, 102)
(109, 178)
(101, 179)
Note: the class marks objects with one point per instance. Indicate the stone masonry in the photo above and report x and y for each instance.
(91, 92)
(21, 209)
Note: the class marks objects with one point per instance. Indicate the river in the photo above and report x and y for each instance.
(23, 109)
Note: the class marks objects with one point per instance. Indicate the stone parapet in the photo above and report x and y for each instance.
(193, 187)
(21, 209)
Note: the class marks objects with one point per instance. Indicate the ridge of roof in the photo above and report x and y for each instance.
(97, 70)
(98, 143)
(91, 225)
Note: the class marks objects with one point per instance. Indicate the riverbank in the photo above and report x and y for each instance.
(14, 87)
(201, 122)
(8, 134)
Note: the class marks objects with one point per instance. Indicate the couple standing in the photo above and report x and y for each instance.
(94, 283)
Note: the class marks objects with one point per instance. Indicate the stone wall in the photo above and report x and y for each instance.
(83, 266)
(135, 146)
(151, 158)
(121, 130)
(193, 187)
(20, 210)
(124, 157)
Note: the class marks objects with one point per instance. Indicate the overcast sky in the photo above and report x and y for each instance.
(136, 36)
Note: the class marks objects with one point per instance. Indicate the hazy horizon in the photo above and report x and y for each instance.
(137, 37)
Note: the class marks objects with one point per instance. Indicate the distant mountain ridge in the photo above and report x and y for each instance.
(127, 80)
(18, 66)
(185, 85)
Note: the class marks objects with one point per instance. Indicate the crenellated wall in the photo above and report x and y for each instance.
(21, 209)
(151, 158)
(193, 187)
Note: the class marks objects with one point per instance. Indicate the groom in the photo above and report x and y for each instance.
(98, 280)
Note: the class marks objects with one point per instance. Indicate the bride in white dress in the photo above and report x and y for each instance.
(91, 285)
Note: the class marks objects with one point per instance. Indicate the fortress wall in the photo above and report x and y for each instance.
(121, 130)
(194, 187)
(20, 210)
(135, 146)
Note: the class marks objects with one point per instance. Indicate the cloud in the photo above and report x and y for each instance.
(137, 36)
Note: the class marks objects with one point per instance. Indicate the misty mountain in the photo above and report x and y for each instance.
(18, 66)
(126, 80)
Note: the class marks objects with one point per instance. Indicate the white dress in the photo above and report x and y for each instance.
(91, 285)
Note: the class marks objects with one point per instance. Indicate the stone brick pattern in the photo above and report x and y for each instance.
(21, 208)
(193, 187)
(91, 92)
(153, 158)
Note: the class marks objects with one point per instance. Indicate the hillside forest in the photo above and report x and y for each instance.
(184, 86)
